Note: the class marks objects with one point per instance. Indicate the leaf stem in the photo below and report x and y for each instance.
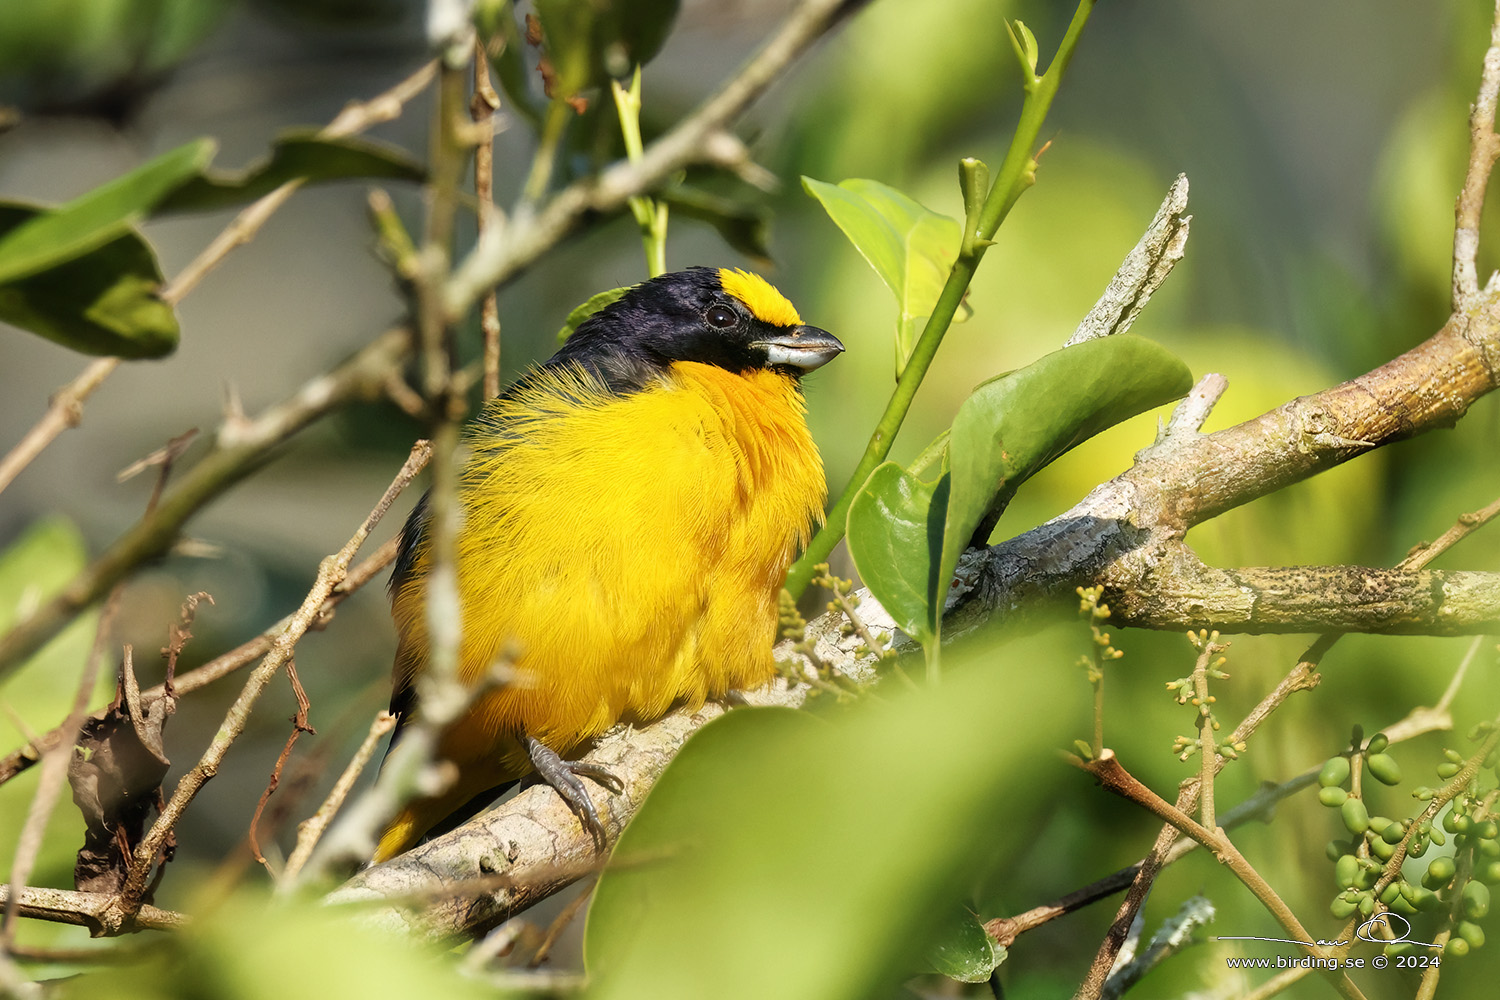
(1017, 173)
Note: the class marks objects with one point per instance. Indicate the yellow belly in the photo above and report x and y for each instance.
(633, 548)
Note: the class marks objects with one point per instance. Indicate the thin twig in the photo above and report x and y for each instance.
(66, 407)
(220, 666)
(1143, 271)
(330, 573)
(355, 118)
(483, 107)
(241, 448)
(1484, 148)
(1116, 779)
(310, 831)
(1418, 721)
(64, 411)
(495, 260)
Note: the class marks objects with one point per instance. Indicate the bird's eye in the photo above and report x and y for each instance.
(721, 317)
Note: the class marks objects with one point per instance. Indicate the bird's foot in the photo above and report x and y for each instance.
(564, 775)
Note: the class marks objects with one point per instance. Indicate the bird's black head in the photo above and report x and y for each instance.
(716, 316)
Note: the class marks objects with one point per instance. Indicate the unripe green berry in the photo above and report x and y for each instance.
(1439, 873)
(1333, 796)
(1470, 932)
(1356, 817)
(1378, 743)
(1476, 899)
(1384, 768)
(1381, 849)
(1456, 947)
(1394, 833)
(1335, 772)
(1448, 769)
(1346, 870)
(1341, 908)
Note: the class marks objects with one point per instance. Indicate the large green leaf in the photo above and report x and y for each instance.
(895, 539)
(903, 531)
(104, 214)
(910, 247)
(104, 302)
(796, 857)
(1014, 425)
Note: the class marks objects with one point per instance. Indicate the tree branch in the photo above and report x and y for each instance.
(505, 252)
(1484, 148)
(242, 447)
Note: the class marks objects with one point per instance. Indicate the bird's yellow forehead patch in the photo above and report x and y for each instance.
(763, 300)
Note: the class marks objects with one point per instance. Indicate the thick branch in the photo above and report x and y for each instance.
(1183, 593)
(1123, 532)
(83, 909)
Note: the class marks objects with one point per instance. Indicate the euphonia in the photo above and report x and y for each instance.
(628, 510)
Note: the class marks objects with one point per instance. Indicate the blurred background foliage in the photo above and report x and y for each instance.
(1324, 143)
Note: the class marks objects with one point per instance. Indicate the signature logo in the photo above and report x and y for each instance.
(1394, 924)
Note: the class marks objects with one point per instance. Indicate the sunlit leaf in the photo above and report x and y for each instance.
(1016, 424)
(910, 247)
(895, 538)
(103, 302)
(796, 857)
(906, 535)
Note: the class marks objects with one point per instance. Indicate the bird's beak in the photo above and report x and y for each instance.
(804, 347)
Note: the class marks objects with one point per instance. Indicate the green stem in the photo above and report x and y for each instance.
(650, 213)
(1017, 173)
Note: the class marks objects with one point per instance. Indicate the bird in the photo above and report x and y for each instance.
(628, 510)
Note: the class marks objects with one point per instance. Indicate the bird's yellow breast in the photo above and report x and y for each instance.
(632, 546)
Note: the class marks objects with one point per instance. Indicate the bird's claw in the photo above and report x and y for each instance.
(564, 775)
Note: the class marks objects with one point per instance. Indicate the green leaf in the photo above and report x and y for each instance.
(1013, 426)
(297, 153)
(895, 539)
(590, 42)
(41, 561)
(104, 302)
(910, 247)
(583, 312)
(773, 859)
(903, 531)
(250, 947)
(965, 952)
(745, 227)
(99, 216)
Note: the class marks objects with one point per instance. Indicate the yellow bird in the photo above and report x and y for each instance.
(629, 509)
